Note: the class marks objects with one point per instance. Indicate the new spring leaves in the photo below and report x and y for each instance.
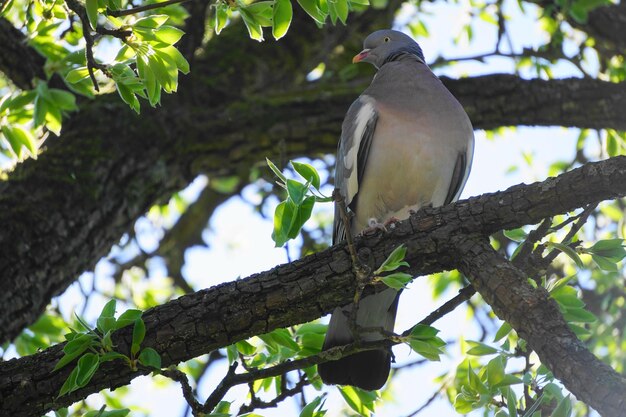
(296, 209)
(93, 347)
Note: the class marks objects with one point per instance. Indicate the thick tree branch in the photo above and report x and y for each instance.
(63, 214)
(537, 319)
(308, 288)
(18, 61)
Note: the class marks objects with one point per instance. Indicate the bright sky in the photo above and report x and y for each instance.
(240, 244)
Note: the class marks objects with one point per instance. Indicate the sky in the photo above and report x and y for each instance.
(239, 242)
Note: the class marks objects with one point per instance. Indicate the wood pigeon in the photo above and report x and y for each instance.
(406, 143)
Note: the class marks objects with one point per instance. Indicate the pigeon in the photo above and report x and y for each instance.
(406, 143)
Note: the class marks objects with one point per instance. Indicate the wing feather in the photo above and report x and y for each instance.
(357, 132)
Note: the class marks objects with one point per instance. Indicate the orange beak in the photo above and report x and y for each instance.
(360, 56)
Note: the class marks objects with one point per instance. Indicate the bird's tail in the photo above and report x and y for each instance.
(367, 370)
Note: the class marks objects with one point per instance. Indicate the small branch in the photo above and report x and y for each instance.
(256, 404)
(118, 13)
(116, 33)
(427, 403)
(464, 294)
(181, 377)
(80, 11)
(232, 379)
(221, 390)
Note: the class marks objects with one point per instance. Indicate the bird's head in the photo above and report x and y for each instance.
(384, 46)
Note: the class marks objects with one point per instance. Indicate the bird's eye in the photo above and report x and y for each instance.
(387, 39)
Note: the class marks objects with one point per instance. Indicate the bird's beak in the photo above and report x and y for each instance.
(360, 56)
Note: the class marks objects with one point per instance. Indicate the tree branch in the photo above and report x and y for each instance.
(310, 287)
(122, 164)
(18, 61)
(537, 319)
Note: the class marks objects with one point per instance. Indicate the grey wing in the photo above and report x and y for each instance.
(357, 132)
(461, 172)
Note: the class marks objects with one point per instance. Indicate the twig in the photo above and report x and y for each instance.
(80, 11)
(221, 390)
(118, 13)
(232, 379)
(427, 403)
(464, 294)
(181, 377)
(255, 403)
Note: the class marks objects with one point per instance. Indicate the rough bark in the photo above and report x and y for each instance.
(436, 239)
(537, 318)
(20, 63)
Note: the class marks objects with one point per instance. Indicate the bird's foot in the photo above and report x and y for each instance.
(373, 227)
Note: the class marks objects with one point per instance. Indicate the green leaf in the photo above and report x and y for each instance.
(177, 57)
(302, 214)
(111, 356)
(563, 409)
(87, 366)
(128, 317)
(109, 309)
(508, 380)
(281, 20)
(160, 64)
(254, 28)
(504, 330)
(393, 261)
(262, 12)
(612, 249)
(308, 173)
(168, 34)
(426, 348)
(309, 409)
(150, 358)
(480, 349)
(397, 280)
(511, 402)
(579, 315)
(151, 22)
(283, 217)
(312, 8)
(296, 191)
(474, 381)
(63, 99)
(77, 74)
(276, 171)
(284, 338)
(604, 263)
(106, 324)
(139, 332)
(423, 332)
(245, 348)
(41, 109)
(221, 17)
(74, 348)
(70, 383)
(18, 137)
(516, 235)
(91, 6)
(317, 328)
(128, 97)
(569, 252)
(360, 401)
(153, 89)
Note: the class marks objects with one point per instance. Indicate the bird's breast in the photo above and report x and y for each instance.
(410, 165)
